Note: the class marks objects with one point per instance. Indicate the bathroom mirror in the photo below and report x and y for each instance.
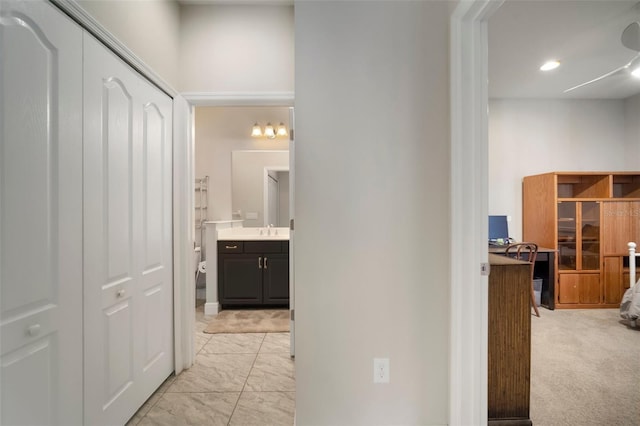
(260, 187)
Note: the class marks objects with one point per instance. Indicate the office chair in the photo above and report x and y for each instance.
(526, 252)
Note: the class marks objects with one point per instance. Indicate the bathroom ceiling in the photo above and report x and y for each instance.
(584, 35)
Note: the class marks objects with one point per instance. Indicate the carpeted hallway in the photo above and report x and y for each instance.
(585, 369)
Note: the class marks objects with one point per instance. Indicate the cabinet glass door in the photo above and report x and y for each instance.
(590, 235)
(567, 235)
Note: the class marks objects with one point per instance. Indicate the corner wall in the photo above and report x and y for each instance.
(372, 211)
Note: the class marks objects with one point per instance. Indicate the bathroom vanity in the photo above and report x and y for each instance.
(253, 272)
(246, 266)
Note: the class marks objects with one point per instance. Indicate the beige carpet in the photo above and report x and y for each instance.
(250, 321)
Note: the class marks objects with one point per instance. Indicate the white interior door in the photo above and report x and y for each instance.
(40, 216)
(127, 245)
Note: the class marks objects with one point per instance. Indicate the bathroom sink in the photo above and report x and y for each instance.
(248, 234)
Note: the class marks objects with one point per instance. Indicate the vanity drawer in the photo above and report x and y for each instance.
(263, 247)
(230, 246)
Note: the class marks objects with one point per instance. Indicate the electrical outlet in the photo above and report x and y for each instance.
(381, 370)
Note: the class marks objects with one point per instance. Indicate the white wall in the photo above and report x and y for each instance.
(632, 129)
(372, 211)
(149, 28)
(218, 132)
(528, 137)
(244, 48)
(248, 179)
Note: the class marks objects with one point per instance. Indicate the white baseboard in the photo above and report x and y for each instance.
(211, 308)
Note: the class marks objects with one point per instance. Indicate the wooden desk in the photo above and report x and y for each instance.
(509, 341)
(544, 268)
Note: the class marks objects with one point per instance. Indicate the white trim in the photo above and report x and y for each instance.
(469, 195)
(239, 98)
(183, 235)
(89, 23)
(211, 308)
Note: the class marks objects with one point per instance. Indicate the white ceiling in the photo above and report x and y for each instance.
(584, 35)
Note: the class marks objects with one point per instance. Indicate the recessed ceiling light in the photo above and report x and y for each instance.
(550, 65)
(636, 72)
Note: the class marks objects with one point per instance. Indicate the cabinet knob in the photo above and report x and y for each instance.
(265, 262)
(120, 293)
(260, 262)
(33, 330)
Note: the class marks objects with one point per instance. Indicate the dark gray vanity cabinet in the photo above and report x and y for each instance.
(253, 273)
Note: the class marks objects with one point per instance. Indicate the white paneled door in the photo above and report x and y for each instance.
(127, 237)
(40, 216)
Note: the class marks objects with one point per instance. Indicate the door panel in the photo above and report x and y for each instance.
(589, 288)
(41, 215)
(128, 272)
(568, 288)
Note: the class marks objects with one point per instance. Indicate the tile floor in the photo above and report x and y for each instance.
(237, 379)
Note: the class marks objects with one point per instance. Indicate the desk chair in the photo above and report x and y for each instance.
(526, 252)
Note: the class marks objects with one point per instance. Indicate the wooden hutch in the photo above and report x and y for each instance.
(588, 217)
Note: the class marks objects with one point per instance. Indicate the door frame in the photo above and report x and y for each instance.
(469, 59)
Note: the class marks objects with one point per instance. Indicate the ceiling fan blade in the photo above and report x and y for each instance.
(631, 36)
(610, 73)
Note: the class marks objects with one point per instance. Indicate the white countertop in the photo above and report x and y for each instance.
(253, 234)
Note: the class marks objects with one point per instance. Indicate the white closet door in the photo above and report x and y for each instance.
(40, 216)
(127, 245)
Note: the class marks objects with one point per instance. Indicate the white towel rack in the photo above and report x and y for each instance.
(201, 204)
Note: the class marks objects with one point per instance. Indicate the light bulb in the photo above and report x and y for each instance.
(636, 72)
(256, 132)
(269, 131)
(282, 130)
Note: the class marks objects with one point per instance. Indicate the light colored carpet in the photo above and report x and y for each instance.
(250, 321)
(585, 369)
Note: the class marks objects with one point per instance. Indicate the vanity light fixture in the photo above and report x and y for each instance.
(270, 131)
(282, 129)
(256, 132)
(550, 65)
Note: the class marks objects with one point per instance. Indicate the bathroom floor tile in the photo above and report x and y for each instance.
(264, 409)
(199, 341)
(247, 343)
(192, 409)
(215, 373)
(272, 372)
(276, 343)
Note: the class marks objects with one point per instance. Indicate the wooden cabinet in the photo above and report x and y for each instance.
(253, 273)
(588, 218)
(509, 340)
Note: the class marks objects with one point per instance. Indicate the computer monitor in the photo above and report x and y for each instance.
(498, 228)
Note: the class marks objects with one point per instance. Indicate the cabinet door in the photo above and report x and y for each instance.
(128, 283)
(612, 279)
(41, 215)
(568, 288)
(276, 279)
(240, 278)
(579, 288)
(567, 235)
(589, 288)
